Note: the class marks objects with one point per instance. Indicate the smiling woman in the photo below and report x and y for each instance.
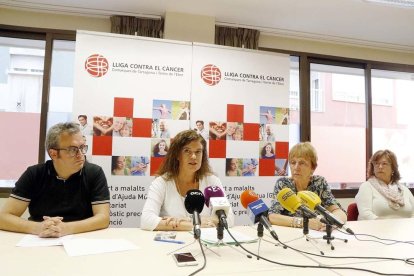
(185, 168)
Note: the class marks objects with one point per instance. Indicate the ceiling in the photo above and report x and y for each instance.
(355, 22)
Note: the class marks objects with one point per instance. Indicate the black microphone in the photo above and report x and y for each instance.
(194, 204)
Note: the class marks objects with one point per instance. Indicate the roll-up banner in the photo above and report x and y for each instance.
(132, 95)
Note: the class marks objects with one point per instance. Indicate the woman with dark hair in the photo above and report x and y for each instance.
(160, 149)
(268, 151)
(382, 196)
(232, 168)
(184, 168)
(119, 166)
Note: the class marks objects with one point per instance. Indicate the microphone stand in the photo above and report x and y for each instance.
(307, 236)
(260, 235)
(220, 236)
(329, 238)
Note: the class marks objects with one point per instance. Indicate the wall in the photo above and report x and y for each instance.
(187, 27)
(335, 49)
(198, 28)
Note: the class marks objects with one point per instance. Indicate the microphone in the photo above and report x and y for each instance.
(194, 204)
(313, 201)
(291, 202)
(220, 206)
(257, 210)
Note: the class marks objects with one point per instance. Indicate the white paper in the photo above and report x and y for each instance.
(82, 246)
(209, 235)
(35, 241)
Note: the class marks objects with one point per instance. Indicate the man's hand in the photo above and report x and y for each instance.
(52, 227)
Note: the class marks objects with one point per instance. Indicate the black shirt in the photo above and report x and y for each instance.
(71, 199)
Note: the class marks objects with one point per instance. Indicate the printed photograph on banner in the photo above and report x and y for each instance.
(250, 167)
(85, 126)
(267, 150)
(201, 129)
(122, 127)
(267, 132)
(267, 115)
(139, 165)
(234, 166)
(218, 130)
(160, 129)
(160, 147)
(102, 125)
(234, 131)
(282, 115)
(161, 109)
(181, 110)
(281, 167)
(121, 165)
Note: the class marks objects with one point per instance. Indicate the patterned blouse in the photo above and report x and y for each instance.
(317, 184)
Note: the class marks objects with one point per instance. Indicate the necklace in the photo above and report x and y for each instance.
(193, 185)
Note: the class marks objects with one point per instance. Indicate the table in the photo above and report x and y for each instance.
(151, 258)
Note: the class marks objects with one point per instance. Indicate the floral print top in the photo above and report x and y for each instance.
(317, 184)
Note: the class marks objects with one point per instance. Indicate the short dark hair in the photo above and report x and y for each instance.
(201, 122)
(83, 116)
(170, 166)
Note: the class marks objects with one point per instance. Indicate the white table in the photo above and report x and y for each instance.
(151, 258)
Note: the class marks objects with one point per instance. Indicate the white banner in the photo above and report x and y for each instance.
(242, 97)
(136, 93)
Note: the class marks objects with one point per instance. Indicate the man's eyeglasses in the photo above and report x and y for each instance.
(73, 151)
(190, 153)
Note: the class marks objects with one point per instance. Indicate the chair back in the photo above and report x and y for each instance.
(352, 212)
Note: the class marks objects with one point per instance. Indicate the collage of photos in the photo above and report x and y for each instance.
(106, 126)
(130, 165)
(231, 131)
(249, 167)
(167, 115)
(274, 115)
(241, 167)
(172, 110)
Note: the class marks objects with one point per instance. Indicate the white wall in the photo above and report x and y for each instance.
(199, 28)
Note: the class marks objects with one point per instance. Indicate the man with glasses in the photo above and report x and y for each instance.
(65, 195)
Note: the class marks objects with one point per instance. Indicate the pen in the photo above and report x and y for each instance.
(169, 240)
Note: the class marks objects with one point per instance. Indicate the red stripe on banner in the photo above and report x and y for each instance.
(141, 127)
(217, 148)
(124, 107)
(267, 167)
(251, 132)
(235, 113)
(155, 164)
(282, 150)
(102, 145)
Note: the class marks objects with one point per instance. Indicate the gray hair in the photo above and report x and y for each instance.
(53, 135)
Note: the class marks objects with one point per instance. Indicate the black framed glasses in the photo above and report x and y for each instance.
(73, 151)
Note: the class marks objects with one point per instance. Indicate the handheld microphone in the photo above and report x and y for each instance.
(257, 210)
(194, 204)
(291, 202)
(313, 201)
(220, 206)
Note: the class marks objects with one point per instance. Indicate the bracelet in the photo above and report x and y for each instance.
(297, 222)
